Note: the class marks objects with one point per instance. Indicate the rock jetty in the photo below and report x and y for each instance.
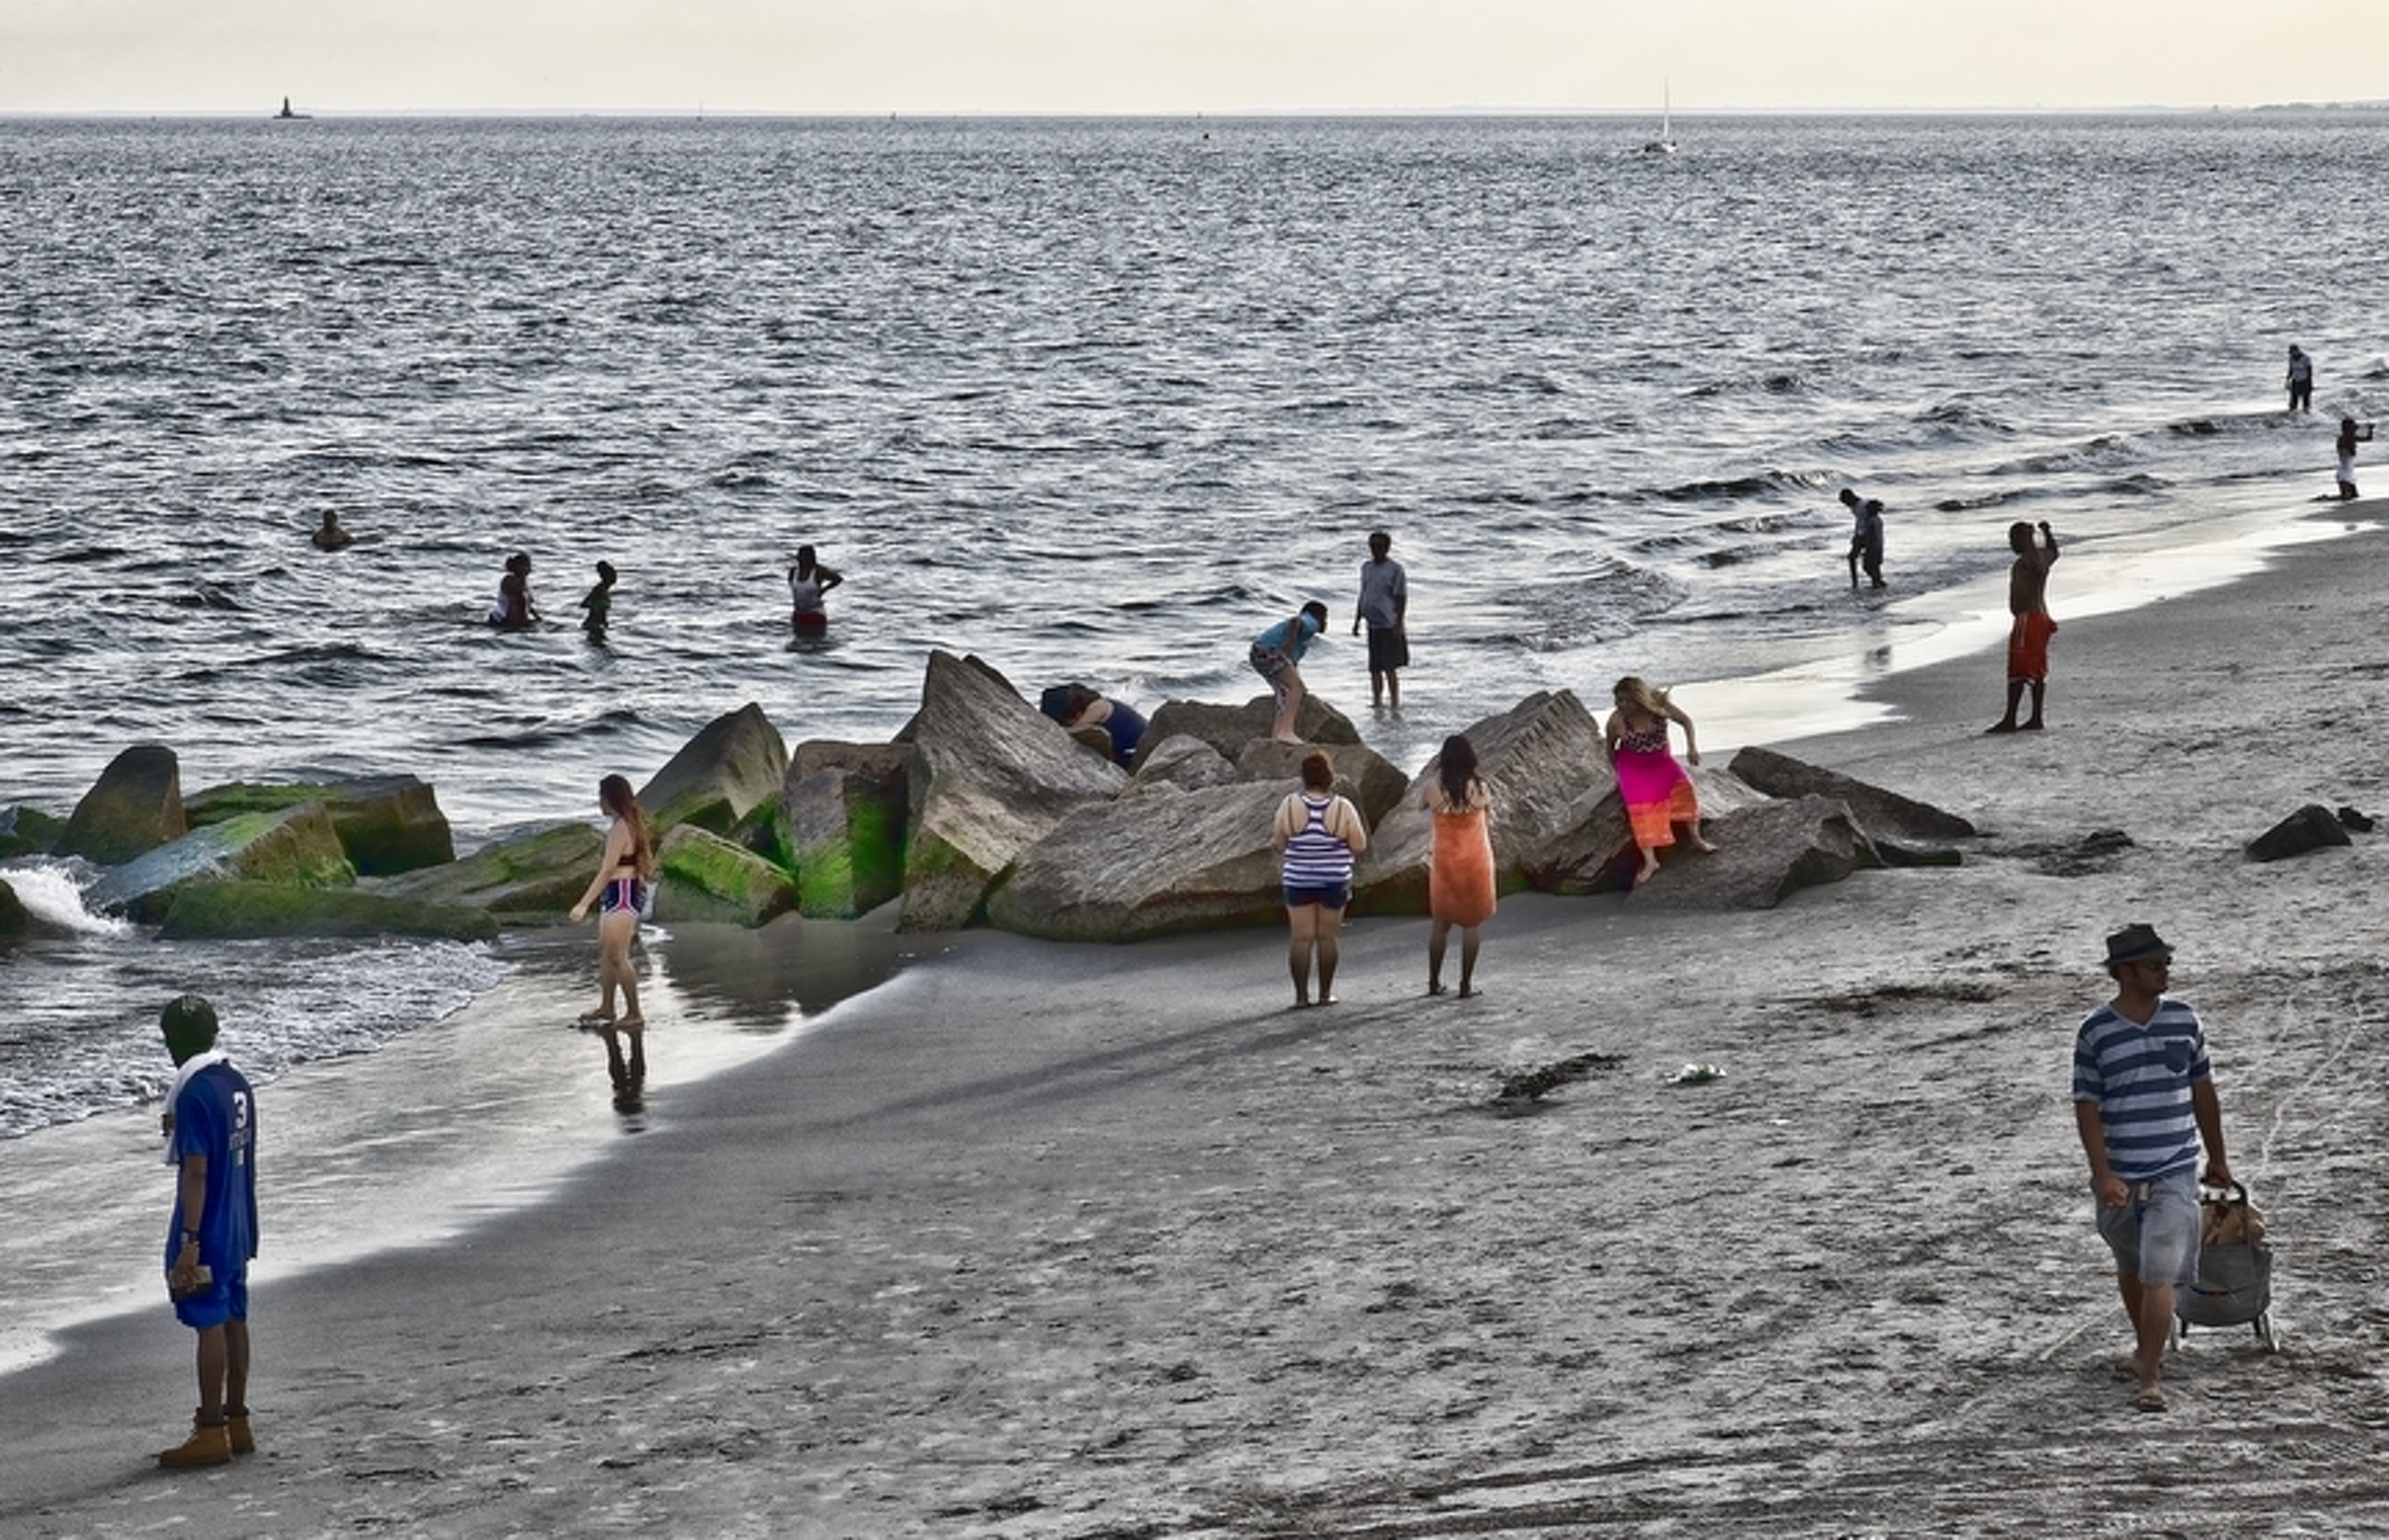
(981, 811)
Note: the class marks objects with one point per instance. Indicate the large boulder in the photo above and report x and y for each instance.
(1148, 865)
(846, 825)
(135, 807)
(704, 877)
(890, 762)
(1182, 760)
(1543, 766)
(1362, 774)
(527, 876)
(1229, 728)
(991, 777)
(2312, 828)
(248, 911)
(723, 773)
(765, 832)
(388, 824)
(14, 921)
(1883, 814)
(295, 846)
(1764, 854)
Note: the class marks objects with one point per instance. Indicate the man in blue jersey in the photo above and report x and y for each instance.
(2144, 1102)
(211, 1142)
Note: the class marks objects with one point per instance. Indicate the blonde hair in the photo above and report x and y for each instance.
(1635, 691)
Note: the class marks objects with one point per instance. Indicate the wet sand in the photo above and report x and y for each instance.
(1047, 1241)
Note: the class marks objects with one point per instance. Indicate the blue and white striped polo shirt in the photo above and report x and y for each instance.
(2140, 1076)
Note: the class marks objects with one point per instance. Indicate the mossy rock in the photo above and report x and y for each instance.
(530, 876)
(134, 808)
(765, 831)
(707, 878)
(244, 911)
(29, 831)
(387, 825)
(946, 885)
(295, 847)
(726, 771)
(14, 919)
(848, 824)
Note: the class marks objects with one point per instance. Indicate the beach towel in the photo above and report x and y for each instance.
(183, 1074)
(1460, 888)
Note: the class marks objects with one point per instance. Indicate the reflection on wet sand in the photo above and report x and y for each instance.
(788, 969)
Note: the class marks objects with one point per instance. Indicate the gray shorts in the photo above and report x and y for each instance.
(2154, 1234)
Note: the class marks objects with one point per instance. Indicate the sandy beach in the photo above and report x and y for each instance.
(1081, 1242)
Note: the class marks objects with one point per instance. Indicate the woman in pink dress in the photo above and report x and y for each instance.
(1658, 795)
(1460, 877)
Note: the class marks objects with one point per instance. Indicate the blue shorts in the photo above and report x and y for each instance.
(2154, 1234)
(1332, 896)
(623, 893)
(225, 1299)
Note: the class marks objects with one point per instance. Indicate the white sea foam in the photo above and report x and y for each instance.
(54, 895)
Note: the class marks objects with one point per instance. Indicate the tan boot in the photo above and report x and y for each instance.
(236, 1427)
(210, 1443)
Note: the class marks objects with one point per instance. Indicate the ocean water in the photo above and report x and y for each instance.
(1091, 400)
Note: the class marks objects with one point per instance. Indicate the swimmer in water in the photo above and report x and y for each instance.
(598, 601)
(513, 610)
(808, 582)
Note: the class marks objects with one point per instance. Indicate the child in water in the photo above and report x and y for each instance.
(597, 602)
(2351, 434)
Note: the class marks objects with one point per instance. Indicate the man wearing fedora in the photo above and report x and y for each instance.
(2144, 1102)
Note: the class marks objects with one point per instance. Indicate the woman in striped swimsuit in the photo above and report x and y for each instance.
(1320, 833)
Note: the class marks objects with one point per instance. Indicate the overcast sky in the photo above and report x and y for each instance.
(1168, 56)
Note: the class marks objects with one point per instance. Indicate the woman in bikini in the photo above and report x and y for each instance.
(621, 890)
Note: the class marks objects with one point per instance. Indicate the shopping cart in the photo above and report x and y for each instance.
(2235, 1285)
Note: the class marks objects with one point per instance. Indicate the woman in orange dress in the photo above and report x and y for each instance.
(1460, 877)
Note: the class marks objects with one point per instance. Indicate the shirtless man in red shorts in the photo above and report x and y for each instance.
(2028, 637)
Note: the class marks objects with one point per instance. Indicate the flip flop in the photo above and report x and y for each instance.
(2149, 1400)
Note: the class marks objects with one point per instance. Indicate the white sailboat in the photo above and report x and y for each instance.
(1665, 143)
